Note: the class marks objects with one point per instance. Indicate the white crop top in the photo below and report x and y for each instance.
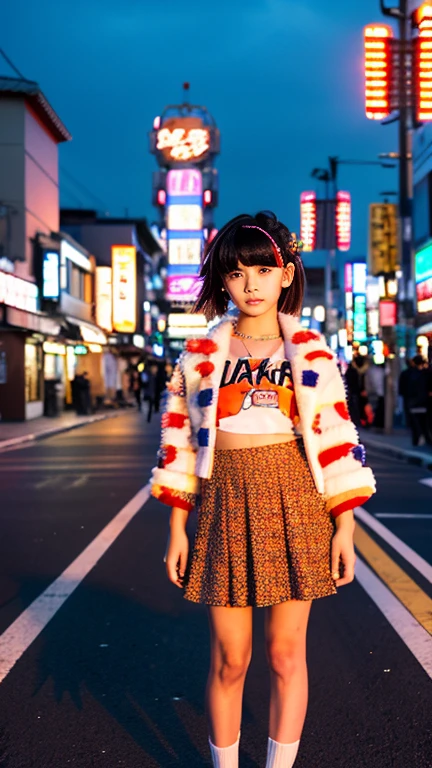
(256, 396)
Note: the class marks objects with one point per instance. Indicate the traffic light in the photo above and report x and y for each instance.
(422, 63)
(378, 74)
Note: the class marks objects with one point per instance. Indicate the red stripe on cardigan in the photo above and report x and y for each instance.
(333, 454)
(348, 504)
(318, 353)
(172, 419)
(168, 497)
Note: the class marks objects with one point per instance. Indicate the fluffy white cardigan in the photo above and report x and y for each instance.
(335, 457)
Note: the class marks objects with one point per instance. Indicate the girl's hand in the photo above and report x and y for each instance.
(342, 551)
(176, 556)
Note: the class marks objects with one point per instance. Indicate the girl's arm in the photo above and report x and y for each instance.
(177, 550)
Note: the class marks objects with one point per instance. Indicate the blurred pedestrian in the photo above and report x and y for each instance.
(136, 386)
(153, 391)
(403, 390)
(358, 402)
(375, 388)
(417, 396)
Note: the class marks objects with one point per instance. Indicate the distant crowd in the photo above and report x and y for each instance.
(365, 382)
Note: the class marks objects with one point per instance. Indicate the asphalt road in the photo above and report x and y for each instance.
(117, 676)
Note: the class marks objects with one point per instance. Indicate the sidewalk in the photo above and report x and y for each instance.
(18, 433)
(398, 444)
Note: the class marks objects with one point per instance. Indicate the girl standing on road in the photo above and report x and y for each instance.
(256, 434)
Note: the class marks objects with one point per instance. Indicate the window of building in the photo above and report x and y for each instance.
(33, 372)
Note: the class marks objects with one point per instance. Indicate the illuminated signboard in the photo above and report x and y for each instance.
(343, 221)
(124, 288)
(184, 251)
(422, 64)
(359, 278)
(185, 217)
(383, 253)
(187, 181)
(308, 220)
(423, 276)
(183, 138)
(51, 275)
(18, 293)
(387, 313)
(183, 287)
(348, 277)
(360, 322)
(104, 298)
(378, 61)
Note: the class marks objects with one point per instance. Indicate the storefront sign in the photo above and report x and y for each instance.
(423, 276)
(53, 348)
(184, 251)
(383, 255)
(187, 181)
(359, 278)
(68, 251)
(104, 298)
(360, 324)
(124, 288)
(18, 293)
(51, 275)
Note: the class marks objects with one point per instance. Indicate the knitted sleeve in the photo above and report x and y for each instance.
(347, 481)
(173, 480)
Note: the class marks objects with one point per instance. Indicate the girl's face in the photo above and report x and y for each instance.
(254, 290)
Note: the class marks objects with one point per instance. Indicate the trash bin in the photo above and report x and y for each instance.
(51, 403)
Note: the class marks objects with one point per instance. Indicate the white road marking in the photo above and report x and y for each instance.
(47, 483)
(19, 636)
(78, 483)
(415, 637)
(427, 481)
(403, 549)
(405, 516)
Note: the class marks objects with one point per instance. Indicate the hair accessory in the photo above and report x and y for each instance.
(277, 250)
(295, 245)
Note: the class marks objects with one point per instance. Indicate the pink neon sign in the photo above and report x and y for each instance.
(186, 181)
(183, 287)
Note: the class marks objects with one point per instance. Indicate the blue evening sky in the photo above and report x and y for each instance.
(282, 78)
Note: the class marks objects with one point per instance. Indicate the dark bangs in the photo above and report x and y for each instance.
(248, 246)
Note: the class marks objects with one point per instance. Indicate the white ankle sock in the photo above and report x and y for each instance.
(225, 757)
(281, 755)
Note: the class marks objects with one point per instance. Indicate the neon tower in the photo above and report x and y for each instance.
(185, 140)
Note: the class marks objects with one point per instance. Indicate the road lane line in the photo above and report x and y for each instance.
(405, 589)
(78, 483)
(399, 546)
(49, 482)
(427, 481)
(403, 516)
(24, 630)
(409, 630)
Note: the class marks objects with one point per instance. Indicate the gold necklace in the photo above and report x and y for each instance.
(255, 338)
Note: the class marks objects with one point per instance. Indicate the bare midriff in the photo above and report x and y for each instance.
(228, 440)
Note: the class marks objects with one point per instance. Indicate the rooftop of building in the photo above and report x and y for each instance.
(29, 90)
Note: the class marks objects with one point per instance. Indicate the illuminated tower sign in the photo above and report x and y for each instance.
(378, 70)
(185, 141)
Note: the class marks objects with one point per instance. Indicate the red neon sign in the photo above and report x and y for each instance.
(422, 68)
(308, 220)
(343, 221)
(378, 59)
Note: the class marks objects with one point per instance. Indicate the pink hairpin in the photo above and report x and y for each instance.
(277, 250)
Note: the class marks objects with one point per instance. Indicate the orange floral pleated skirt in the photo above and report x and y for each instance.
(263, 533)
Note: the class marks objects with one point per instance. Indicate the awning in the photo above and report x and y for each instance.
(32, 321)
(89, 332)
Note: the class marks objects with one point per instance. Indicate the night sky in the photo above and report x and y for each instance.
(283, 79)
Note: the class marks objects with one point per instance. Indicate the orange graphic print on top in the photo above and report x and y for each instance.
(254, 386)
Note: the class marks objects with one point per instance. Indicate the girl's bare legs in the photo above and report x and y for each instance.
(231, 651)
(285, 631)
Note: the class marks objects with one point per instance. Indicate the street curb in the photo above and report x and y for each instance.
(412, 457)
(32, 438)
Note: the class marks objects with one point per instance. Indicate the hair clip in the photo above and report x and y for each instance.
(295, 245)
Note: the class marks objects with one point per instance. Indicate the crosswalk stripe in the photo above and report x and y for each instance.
(25, 629)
